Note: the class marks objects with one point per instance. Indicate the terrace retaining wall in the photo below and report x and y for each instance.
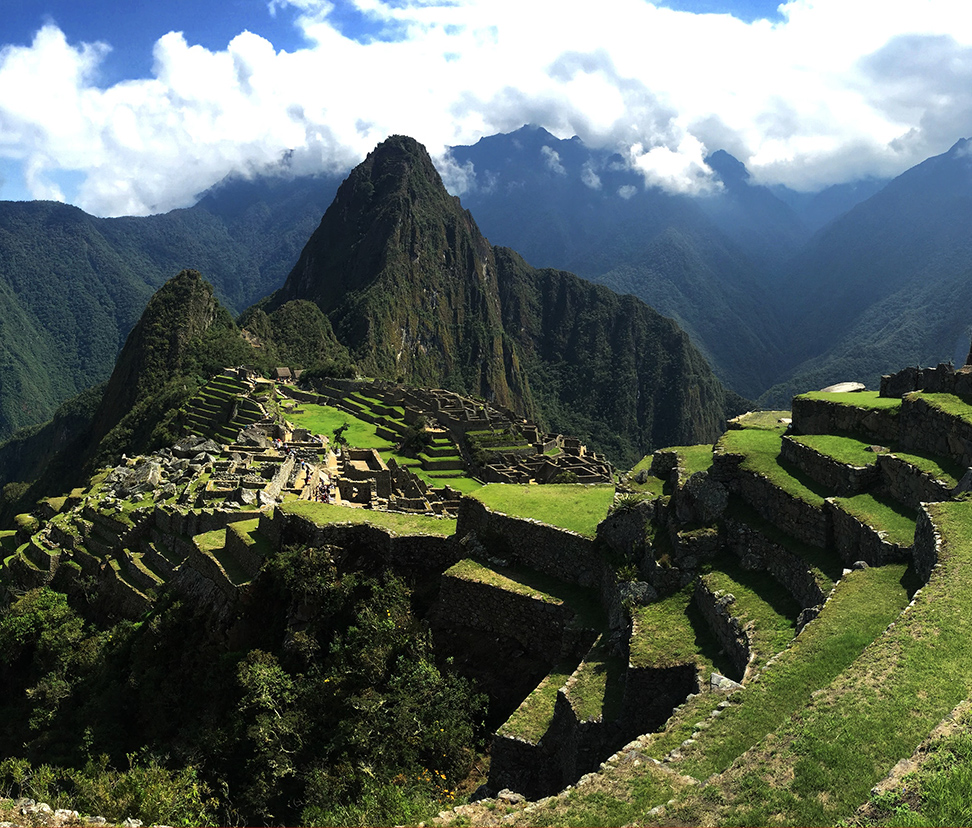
(928, 544)
(805, 522)
(843, 478)
(757, 551)
(908, 484)
(728, 630)
(557, 552)
(812, 416)
(538, 625)
(855, 541)
(925, 428)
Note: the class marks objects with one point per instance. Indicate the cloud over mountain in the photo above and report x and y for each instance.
(834, 89)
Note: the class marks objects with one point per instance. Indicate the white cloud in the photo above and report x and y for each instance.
(590, 177)
(551, 160)
(838, 89)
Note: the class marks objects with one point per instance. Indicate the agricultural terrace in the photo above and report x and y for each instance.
(568, 506)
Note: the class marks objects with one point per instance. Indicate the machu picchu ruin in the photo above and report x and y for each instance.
(603, 615)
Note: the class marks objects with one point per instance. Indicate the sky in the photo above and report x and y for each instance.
(131, 107)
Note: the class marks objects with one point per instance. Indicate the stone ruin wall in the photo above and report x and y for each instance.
(715, 607)
(924, 428)
(943, 379)
(797, 518)
(812, 416)
(910, 485)
(856, 541)
(556, 552)
(539, 626)
(843, 479)
(928, 544)
(756, 551)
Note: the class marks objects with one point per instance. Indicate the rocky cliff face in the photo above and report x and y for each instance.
(408, 281)
(418, 294)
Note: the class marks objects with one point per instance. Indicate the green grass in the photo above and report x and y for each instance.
(324, 419)
(596, 689)
(532, 718)
(855, 399)
(825, 566)
(947, 403)
(937, 793)
(846, 450)
(583, 602)
(569, 506)
(759, 601)
(865, 602)
(211, 541)
(652, 485)
(401, 524)
(883, 515)
(694, 458)
(942, 469)
(760, 450)
(766, 420)
(664, 634)
(874, 712)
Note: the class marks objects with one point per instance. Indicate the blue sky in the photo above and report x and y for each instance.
(106, 106)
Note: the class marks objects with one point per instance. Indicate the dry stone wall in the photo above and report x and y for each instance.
(928, 544)
(813, 416)
(557, 552)
(855, 541)
(925, 428)
(756, 551)
(803, 521)
(842, 478)
(908, 484)
(715, 607)
(536, 624)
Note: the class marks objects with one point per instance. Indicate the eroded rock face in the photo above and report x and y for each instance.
(701, 500)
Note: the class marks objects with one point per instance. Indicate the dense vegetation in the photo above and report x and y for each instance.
(72, 285)
(320, 701)
(418, 295)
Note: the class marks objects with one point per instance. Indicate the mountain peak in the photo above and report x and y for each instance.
(730, 169)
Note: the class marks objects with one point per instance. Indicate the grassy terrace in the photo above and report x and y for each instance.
(947, 403)
(597, 686)
(882, 514)
(823, 763)
(537, 585)
(532, 718)
(694, 458)
(825, 566)
(846, 450)
(865, 602)
(577, 508)
(766, 420)
(671, 632)
(760, 600)
(941, 468)
(400, 524)
(854, 399)
(652, 485)
(324, 419)
(760, 449)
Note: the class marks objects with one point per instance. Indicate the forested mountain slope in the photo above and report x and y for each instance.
(885, 285)
(418, 295)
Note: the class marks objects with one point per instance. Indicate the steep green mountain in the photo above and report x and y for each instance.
(606, 367)
(886, 284)
(408, 281)
(416, 293)
(705, 260)
(73, 285)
